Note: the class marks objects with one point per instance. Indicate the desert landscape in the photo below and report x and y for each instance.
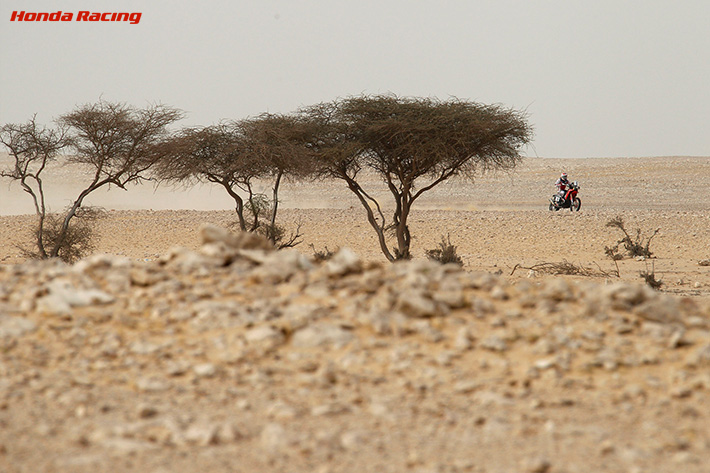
(179, 346)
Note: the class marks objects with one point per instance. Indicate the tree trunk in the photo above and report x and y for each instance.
(72, 211)
(254, 209)
(239, 209)
(40, 210)
(402, 230)
(275, 203)
(67, 219)
(403, 199)
(371, 218)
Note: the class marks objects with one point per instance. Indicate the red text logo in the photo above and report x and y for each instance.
(132, 18)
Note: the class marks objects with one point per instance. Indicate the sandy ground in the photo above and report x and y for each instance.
(227, 356)
(496, 222)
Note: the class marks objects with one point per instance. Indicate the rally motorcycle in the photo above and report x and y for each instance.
(569, 201)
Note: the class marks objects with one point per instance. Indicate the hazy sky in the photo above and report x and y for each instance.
(598, 78)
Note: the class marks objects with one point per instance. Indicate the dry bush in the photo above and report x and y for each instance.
(638, 246)
(445, 253)
(650, 277)
(77, 241)
(565, 268)
(322, 255)
(256, 207)
(276, 234)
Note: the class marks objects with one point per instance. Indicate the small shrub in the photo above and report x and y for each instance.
(613, 252)
(79, 239)
(322, 255)
(566, 268)
(276, 234)
(650, 277)
(445, 253)
(258, 205)
(638, 246)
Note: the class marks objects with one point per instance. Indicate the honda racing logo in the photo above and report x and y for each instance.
(132, 18)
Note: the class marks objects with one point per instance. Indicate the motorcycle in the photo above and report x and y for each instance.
(569, 201)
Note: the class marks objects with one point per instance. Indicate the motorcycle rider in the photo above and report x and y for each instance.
(562, 184)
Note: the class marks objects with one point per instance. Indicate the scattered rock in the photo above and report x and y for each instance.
(146, 411)
(322, 334)
(202, 435)
(332, 355)
(463, 339)
(274, 438)
(279, 266)
(212, 234)
(536, 465)
(62, 296)
(152, 384)
(494, 343)
(343, 262)
(265, 334)
(415, 303)
(15, 327)
(701, 357)
(205, 370)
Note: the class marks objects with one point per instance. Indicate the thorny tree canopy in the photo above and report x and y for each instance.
(407, 138)
(280, 142)
(31, 146)
(235, 152)
(118, 141)
(217, 153)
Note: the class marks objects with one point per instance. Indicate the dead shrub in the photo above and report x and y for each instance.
(564, 267)
(276, 234)
(650, 277)
(445, 253)
(638, 246)
(77, 241)
(322, 255)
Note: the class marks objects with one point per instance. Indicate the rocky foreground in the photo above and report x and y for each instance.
(236, 357)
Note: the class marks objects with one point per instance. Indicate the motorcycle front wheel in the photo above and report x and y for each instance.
(576, 204)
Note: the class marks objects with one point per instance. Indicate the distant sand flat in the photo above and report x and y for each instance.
(496, 222)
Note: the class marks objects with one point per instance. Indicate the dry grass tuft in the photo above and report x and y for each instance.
(566, 268)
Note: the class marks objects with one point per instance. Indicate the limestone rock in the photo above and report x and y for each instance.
(322, 334)
(343, 262)
(265, 334)
(62, 296)
(211, 234)
(14, 327)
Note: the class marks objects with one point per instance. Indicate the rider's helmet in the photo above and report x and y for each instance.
(563, 176)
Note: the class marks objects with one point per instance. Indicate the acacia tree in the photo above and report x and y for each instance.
(117, 143)
(280, 144)
(32, 148)
(236, 155)
(215, 154)
(413, 144)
